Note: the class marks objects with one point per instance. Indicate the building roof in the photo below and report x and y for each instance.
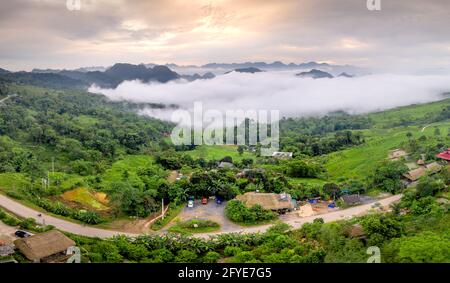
(444, 155)
(433, 167)
(268, 201)
(282, 154)
(43, 245)
(414, 175)
(355, 231)
(351, 199)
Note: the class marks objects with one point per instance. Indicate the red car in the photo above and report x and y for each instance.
(204, 200)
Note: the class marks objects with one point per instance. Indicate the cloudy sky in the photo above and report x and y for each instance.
(404, 35)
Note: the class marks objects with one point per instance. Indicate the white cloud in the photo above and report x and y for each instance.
(283, 91)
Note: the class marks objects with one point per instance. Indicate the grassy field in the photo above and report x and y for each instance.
(411, 113)
(129, 164)
(358, 161)
(309, 181)
(217, 152)
(13, 181)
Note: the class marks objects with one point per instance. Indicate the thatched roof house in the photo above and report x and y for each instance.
(355, 231)
(415, 174)
(270, 201)
(50, 246)
(433, 168)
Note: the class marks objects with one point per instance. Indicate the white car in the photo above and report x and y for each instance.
(190, 203)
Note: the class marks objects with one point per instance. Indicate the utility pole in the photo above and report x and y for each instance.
(162, 209)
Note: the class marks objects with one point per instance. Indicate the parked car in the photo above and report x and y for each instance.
(190, 203)
(22, 234)
(218, 200)
(204, 201)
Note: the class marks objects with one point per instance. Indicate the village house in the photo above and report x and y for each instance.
(282, 155)
(48, 247)
(355, 231)
(415, 174)
(445, 155)
(270, 201)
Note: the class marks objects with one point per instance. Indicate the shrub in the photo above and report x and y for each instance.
(185, 256)
(211, 257)
(231, 251)
(236, 211)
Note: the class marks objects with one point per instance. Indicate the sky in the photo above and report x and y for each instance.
(404, 35)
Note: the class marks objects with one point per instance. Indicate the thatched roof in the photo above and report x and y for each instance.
(43, 245)
(268, 201)
(415, 174)
(355, 231)
(433, 167)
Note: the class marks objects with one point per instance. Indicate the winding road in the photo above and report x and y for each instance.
(84, 230)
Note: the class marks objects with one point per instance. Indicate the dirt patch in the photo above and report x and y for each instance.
(136, 226)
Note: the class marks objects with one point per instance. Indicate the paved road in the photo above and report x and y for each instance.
(64, 225)
(211, 211)
(327, 217)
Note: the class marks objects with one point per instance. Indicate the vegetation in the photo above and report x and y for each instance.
(194, 226)
(236, 211)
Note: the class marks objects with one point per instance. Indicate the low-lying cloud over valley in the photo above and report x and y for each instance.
(283, 91)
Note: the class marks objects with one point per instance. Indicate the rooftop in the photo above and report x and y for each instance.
(43, 245)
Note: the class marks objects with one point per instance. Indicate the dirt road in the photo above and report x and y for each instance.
(64, 225)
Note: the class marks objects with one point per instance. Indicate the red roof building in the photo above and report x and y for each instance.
(444, 155)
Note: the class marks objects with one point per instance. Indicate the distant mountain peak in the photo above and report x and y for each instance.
(315, 74)
(345, 75)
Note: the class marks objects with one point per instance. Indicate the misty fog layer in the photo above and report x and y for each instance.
(283, 91)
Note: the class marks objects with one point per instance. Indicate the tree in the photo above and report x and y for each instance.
(240, 149)
(426, 247)
(332, 190)
(429, 187)
(387, 176)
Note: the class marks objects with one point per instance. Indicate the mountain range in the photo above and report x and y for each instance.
(111, 77)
